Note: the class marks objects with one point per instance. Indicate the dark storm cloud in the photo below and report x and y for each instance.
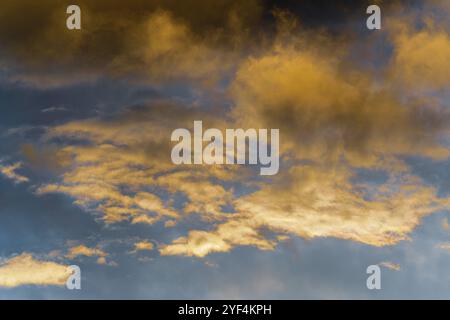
(325, 13)
(120, 37)
(152, 39)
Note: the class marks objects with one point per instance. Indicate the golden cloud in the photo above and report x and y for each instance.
(26, 270)
(312, 202)
(82, 250)
(112, 172)
(233, 233)
(420, 56)
(335, 119)
(333, 112)
(143, 245)
(9, 171)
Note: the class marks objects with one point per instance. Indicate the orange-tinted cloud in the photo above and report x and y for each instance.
(390, 265)
(26, 270)
(335, 119)
(82, 250)
(9, 171)
(143, 245)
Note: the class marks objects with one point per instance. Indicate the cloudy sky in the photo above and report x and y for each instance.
(86, 176)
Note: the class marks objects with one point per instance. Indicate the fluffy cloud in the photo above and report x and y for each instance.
(233, 233)
(82, 250)
(324, 109)
(336, 119)
(26, 270)
(143, 245)
(420, 57)
(312, 202)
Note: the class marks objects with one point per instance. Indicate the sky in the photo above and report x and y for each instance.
(86, 176)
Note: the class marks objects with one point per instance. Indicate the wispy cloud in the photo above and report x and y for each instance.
(54, 109)
(445, 246)
(391, 265)
(9, 171)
